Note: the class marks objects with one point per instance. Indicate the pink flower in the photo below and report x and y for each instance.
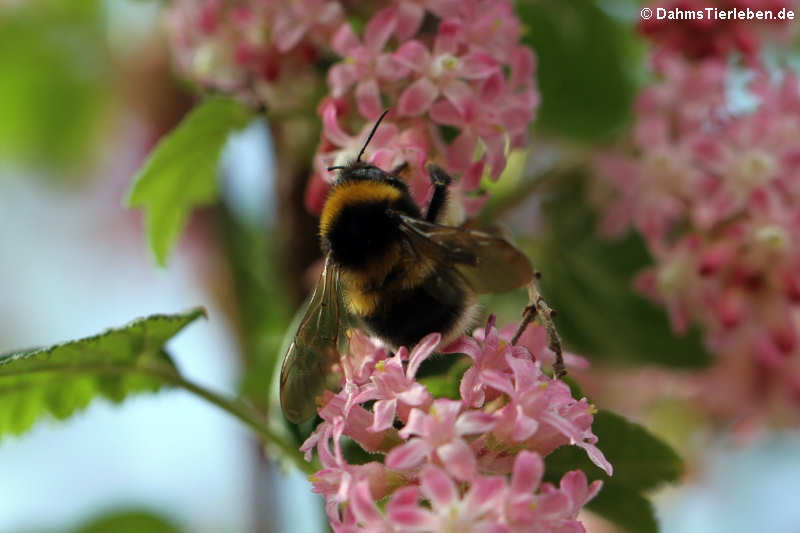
(457, 451)
(295, 19)
(441, 72)
(551, 509)
(714, 191)
(439, 434)
(477, 510)
(365, 64)
(395, 386)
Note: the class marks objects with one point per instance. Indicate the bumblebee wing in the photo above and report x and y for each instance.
(488, 262)
(307, 367)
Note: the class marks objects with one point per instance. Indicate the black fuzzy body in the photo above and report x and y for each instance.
(394, 292)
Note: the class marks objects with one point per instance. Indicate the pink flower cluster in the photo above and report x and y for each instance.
(466, 73)
(714, 187)
(459, 83)
(469, 464)
(704, 34)
(259, 50)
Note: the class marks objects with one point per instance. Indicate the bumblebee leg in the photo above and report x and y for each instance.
(440, 180)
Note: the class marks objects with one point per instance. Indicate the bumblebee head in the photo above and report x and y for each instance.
(358, 170)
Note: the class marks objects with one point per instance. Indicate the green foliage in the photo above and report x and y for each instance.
(53, 67)
(641, 462)
(181, 173)
(626, 508)
(589, 280)
(263, 304)
(128, 521)
(64, 378)
(586, 67)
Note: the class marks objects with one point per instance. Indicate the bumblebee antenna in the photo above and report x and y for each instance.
(335, 167)
(371, 133)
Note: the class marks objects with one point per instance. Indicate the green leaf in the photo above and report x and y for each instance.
(54, 67)
(264, 314)
(128, 521)
(64, 378)
(641, 462)
(181, 173)
(625, 508)
(589, 280)
(586, 67)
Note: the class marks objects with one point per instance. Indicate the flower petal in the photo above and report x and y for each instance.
(422, 351)
(459, 459)
(344, 41)
(368, 99)
(379, 28)
(437, 486)
(384, 415)
(527, 473)
(413, 55)
(407, 455)
(473, 422)
(363, 504)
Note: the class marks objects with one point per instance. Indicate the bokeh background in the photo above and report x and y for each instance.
(87, 88)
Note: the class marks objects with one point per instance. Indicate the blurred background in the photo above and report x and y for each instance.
(87, 87)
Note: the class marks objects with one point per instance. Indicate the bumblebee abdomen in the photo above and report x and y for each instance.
(441, 303)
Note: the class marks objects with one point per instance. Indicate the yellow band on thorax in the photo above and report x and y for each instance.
(354, 192)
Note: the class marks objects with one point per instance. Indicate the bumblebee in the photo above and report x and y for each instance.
(391, 271)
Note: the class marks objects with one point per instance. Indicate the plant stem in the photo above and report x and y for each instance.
(240, 410)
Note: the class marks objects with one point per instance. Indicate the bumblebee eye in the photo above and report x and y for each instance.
(335, 167)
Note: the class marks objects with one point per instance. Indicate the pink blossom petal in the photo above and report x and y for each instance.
(330, 124)
(473, 422)
(389, 69)
(407, 455)
(409, 19)
(421, 352)
(363, 503)
(368, 99)
(344, 41)
(384, 415)
(466, 345)
(414, 55)
(287, 32)
(485, 494)
(444, 112)
(498, 381)
(448, 37)
(528, 472)
(414, 517)
(471, 389)
(445, 411)
(478, 65)
(493, 88)
(459, 154)
(523, 64)
(569, 430)
(404, 496)
(524, 426)
(417, 98)
(416, 395)
(473, 176)
(458, 458)
(437, 486)
(415, 424)
(379, 28)
(459, 94)
(341, 77)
